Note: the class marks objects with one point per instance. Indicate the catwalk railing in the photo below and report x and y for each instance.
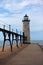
(10, 32)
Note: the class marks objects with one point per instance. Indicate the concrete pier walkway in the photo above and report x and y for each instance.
(31, 55)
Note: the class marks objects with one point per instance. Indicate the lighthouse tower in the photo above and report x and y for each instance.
(26, 27)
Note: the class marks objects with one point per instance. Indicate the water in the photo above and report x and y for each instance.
(40, 42)
(14, 42)
(8, 43)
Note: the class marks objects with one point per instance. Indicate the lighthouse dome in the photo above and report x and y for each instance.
(25, 17)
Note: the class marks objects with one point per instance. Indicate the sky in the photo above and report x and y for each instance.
(13, 11)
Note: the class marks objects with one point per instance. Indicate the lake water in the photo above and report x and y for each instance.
(7, 43)
(33, 41)
(40, 42)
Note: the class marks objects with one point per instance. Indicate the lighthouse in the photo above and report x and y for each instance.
(26, 28)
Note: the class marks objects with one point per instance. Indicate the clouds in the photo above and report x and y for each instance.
(18, 5)
(13, 5)
(36, 18)
(40, 2)
(14, 21)
(14, 10)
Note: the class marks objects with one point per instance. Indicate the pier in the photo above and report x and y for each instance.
(26, 55)
(24, 37)
(9, 33)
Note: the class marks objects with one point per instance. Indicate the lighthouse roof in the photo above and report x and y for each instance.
(25, 15)
(26, 18)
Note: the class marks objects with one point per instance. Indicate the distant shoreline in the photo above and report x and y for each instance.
(39, 42)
